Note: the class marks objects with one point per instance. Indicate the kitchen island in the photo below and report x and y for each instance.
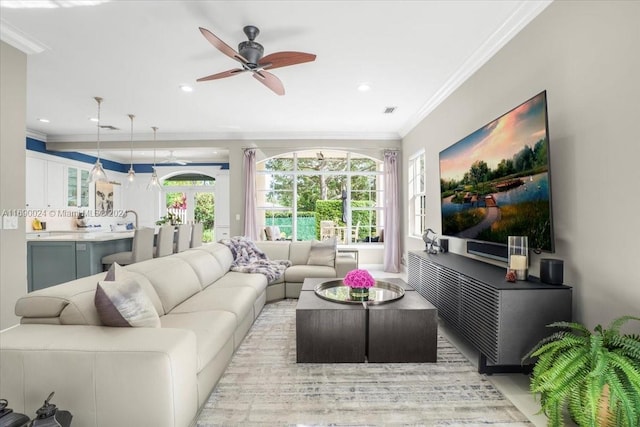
(58, 257)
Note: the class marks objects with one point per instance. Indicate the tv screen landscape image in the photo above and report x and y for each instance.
(495, 182)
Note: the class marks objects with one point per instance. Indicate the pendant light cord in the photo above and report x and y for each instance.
(154, 147)
(99, 101)
(131, 116)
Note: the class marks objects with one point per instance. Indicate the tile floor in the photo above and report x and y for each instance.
(514, 386)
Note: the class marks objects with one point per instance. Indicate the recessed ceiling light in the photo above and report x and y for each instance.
(364, 87)
(186, 88)
(93, 119)
(44, 120)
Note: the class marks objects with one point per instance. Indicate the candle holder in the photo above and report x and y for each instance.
(519, 256)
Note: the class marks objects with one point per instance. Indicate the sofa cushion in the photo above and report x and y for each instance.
(297, 273)
(237, 300)
(205, 265)
(274, 250)
(233, 279)
(323, 253)
(212, 328)
(299, 252)
(221, 252)
(123, 303)
(173, 279)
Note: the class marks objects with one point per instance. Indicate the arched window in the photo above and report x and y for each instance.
(319, 194)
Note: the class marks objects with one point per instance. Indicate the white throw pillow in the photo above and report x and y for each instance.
(323, 253)
(123, 303)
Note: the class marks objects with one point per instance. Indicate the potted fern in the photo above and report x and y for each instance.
(576, 365)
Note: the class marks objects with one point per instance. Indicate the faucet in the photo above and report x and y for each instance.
(124, 215)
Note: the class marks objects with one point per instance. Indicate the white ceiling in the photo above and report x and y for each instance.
(136, 54)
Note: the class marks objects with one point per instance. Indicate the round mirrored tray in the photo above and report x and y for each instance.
(337, 291)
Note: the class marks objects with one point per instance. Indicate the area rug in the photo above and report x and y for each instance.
(264, 385)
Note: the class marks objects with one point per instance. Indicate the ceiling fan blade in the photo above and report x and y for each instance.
(283, 59)
(222, 75)
(222, 46)
(270, 81)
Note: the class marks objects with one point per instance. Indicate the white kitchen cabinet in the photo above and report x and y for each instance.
(36, 170)
(77, 187)
(55, 185)
(54, 195)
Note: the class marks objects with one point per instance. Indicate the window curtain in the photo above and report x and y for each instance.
(392, 252)
(250, 225)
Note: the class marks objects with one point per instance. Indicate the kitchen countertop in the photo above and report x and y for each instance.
(71, 236)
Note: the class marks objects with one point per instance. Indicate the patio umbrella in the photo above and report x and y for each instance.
(344, 206)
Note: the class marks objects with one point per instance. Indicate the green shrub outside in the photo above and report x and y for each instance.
(305, 221)
(326, 210)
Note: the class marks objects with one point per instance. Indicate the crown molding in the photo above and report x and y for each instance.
(519, 19)
(227, 136)
(20, 40)
(36, 135)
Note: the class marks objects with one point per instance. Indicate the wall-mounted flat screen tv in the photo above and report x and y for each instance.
(495, 182)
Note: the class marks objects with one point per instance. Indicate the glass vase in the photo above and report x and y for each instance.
(519, 256)
(359, 294)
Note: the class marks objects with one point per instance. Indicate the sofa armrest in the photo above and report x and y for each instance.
(103, 376)
(344, 264)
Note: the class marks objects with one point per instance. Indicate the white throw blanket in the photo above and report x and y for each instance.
(248, 258)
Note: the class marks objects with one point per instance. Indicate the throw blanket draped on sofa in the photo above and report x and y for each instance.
(247, 258)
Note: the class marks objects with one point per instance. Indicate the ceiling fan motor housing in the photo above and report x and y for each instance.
(251, 51)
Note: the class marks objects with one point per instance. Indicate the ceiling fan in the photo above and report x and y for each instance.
(173, 159)
(251, 59)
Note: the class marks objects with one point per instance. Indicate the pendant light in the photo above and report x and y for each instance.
(97, 173)
(154, 184)
(131, 176)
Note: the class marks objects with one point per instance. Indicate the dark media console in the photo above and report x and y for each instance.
(502, 320)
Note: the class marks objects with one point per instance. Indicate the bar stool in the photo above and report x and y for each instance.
(141, 249)
(164, 242)
(183, 238)
(196, 235)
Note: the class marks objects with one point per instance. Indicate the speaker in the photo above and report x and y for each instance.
(552, 271)
(488, 250)
(444, 245)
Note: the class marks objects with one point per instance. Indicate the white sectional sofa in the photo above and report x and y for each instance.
(108, 376)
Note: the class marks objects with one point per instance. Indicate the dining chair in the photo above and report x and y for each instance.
(164, 242)
(183, 238)
(141, 249)
(196, 235)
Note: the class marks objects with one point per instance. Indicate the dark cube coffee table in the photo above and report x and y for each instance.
(404, 330)
(328, 332)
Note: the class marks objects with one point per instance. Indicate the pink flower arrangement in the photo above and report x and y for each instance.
(359, 279)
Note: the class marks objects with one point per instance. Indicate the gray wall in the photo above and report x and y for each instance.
(585, 54)
(13, 247)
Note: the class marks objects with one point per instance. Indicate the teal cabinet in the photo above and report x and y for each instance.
(51, 262)
(89, 254)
